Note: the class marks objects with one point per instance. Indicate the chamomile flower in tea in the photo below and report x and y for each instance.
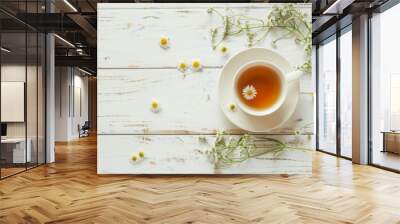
(249, 92)
(259, 87)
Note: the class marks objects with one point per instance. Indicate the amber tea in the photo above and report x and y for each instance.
(259, 87)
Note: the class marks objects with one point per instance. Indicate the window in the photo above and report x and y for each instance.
(346, 93)
(327, 96)
(385, 89)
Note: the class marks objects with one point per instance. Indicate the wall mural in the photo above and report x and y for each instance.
(205, 89)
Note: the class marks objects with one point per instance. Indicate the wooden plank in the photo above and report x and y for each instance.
(133, 69)
(128, 34)
(185, 154)
(191, 6)
(188, 105)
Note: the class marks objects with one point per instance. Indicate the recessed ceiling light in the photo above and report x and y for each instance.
(338, 6)
(5, 50)
(70, 5)
(64, 40)
(84, 71)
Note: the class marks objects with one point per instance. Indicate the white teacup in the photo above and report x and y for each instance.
(285, 79)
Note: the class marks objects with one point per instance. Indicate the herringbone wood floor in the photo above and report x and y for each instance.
(70, 191)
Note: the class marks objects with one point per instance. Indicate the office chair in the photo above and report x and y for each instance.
(84, 130)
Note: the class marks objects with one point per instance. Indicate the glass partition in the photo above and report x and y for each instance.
(13, 109)
(23, 89)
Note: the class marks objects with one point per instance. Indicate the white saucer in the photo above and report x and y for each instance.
(226, 93)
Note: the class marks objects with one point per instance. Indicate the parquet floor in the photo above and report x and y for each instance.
(70, 191)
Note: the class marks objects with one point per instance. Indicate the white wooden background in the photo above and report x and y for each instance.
(133, 69)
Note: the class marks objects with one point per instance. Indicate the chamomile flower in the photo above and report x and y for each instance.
(141, 154)
(155, 106)
(224, 50)
(196, 65)
(134, 158)
(249, 92)
(232, 107)
(182, 66)
(164, 42)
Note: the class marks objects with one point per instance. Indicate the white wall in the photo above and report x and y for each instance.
(33, 127)
(12, 73)
(70, 84)
(62, 81)
(80, 109)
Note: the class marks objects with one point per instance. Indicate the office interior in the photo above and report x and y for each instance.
(334, 68)
(48, 79)
(27, 61)
(32, 51)
(48, 119)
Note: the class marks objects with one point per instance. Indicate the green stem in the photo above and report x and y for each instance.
(298, 148)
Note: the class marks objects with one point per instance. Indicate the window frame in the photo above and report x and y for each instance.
(334, 37)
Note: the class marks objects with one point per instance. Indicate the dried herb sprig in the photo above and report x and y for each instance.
(287, 18)
(225, 152)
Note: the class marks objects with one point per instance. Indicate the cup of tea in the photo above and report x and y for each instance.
(261, 87)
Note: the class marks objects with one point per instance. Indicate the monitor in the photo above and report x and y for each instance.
(3, 129)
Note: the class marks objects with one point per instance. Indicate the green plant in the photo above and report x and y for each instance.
(296, 25)
(225, 152)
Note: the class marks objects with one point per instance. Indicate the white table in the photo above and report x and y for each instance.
(133, 69)
(18, 149)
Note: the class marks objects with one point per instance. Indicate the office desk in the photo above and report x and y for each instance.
(391, 142)
(16, 148)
